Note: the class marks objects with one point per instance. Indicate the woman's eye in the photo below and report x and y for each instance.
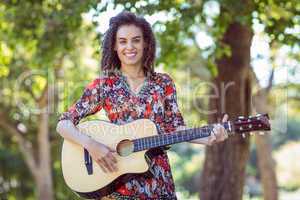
(122, 42)
(136, 41)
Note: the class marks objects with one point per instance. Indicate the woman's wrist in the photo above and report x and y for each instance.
(86, 141)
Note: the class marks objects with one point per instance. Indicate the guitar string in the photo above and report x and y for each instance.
(154, 141)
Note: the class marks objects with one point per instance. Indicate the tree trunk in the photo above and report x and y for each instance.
(266, 166)
(44, 178)
(44, 188)
(266, 163)
(224, 167)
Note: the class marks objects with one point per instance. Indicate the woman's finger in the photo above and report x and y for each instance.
(107, 164)
(217, 130)
(212, 138)
(101, 165)
(220, 132)
(112, 157)
(225, 118)
(112, 161)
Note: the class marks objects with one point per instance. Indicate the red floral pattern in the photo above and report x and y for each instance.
(155, 101)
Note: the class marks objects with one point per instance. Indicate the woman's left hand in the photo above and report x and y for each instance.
(219, 133)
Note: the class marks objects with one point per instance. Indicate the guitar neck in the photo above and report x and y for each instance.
(176, 137)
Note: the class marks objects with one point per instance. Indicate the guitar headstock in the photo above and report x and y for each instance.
(259, 122)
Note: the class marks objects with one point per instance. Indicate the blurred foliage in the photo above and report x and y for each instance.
(56, 43)
(40, 42)
(288, 165)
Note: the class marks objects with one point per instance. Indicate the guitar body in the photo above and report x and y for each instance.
(99, 184)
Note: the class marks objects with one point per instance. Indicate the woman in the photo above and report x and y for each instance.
(130, 90)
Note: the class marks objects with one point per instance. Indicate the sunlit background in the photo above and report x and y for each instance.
(56, 45)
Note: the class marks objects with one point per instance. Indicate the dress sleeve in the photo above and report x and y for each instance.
(89, 103)
(172, 116)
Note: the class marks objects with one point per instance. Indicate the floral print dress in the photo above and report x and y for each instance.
(156, 100)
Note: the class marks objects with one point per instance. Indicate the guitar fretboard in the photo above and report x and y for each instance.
(176, 137)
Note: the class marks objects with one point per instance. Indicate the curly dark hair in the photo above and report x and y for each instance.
(110, 60)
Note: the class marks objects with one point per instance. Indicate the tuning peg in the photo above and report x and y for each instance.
(261, 133)
(258, 116)
(251, 133)
(241, 118)
(244, 135)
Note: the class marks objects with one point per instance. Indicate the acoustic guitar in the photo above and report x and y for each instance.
(133, 142)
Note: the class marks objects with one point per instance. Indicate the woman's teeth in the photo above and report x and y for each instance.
(130, 55)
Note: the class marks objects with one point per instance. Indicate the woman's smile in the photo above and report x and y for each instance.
(130, 55)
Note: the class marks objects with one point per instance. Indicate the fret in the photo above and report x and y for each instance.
(190, 135)
(172, 139)
(194, 134)
(157, 141)
(151, 142)
(181, 137)
(146, 143)
(142, 143)
(141, 146)
(137, 145)
(197, 132)
(176, 138)
(187, 135)
(167, 140)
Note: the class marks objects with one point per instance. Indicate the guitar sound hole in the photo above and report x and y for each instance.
(125, 148)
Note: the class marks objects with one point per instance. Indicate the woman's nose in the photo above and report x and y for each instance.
(129, 45)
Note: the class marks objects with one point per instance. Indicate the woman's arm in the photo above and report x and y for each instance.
(90, 102)
(68, 131)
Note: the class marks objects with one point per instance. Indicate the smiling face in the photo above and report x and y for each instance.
(130, 46)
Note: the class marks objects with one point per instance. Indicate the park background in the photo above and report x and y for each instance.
(233, 56)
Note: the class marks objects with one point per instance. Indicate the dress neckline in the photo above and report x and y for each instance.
(142, 86)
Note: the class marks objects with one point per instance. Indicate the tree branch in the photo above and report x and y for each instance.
(24, 144)
(270, 81)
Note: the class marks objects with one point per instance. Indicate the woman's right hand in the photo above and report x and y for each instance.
(103, 155)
